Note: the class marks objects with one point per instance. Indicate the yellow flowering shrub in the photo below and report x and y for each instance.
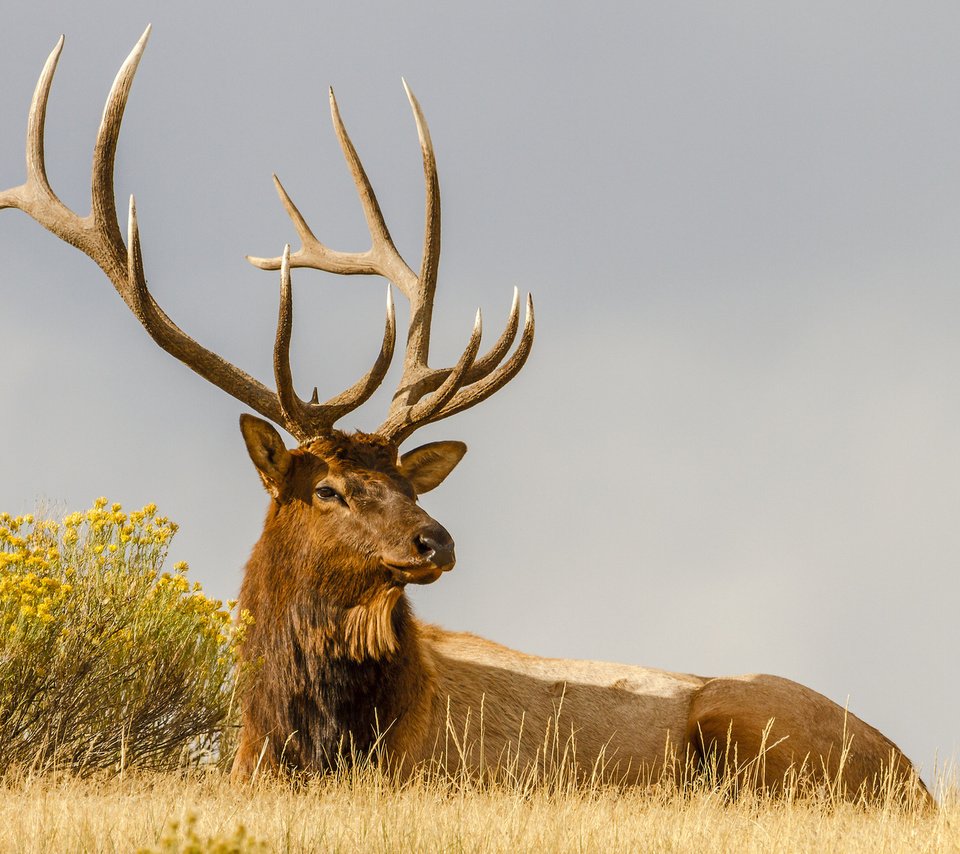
(107, 660)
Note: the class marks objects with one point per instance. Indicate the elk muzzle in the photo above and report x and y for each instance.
(436, 555)
(436, 546)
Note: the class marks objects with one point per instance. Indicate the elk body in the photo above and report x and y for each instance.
(342, 667)
(346, 666)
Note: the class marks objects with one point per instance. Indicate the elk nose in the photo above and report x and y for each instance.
(436, 545)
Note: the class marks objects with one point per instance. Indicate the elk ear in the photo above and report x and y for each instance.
(427, 466)
(267, 451)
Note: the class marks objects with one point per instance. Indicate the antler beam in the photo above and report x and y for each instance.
(98, 236)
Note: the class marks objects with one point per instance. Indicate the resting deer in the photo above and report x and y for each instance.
(345, 667)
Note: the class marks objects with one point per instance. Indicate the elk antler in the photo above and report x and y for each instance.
(98, 235)
(424, 394)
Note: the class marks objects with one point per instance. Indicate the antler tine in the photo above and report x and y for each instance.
(456, 389)
(421, 309)
(36, 165)
(472, 393)
(304, 419)
(34, 196)
(98, 235)
(381, 259)
(290, 404)
(103, 209)
(402, 421)
(485, 364)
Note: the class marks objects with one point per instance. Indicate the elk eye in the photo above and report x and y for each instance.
(326, 493)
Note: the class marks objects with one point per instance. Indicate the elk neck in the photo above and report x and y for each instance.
(340, 649)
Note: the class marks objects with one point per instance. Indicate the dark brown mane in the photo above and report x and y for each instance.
(313, 702)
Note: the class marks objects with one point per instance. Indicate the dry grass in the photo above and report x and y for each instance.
(59, 588)
(364, 811)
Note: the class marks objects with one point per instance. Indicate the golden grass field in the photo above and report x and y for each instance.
(86, 617)
(203, 811)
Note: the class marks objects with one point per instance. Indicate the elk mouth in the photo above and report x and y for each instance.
(436, 555)
(421, 572)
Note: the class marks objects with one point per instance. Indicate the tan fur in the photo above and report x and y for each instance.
(368, 628)
(497, 707)
(490, 707)
(800, 730)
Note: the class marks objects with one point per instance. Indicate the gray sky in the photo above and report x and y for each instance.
(736, 446)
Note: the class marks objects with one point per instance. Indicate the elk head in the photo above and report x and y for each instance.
(349, 505)
(348, 499)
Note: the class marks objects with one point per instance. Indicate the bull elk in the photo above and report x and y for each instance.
(345, 666)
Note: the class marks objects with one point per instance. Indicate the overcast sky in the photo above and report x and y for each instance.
(736, 445)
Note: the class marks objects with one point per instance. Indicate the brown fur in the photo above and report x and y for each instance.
(344, 662)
